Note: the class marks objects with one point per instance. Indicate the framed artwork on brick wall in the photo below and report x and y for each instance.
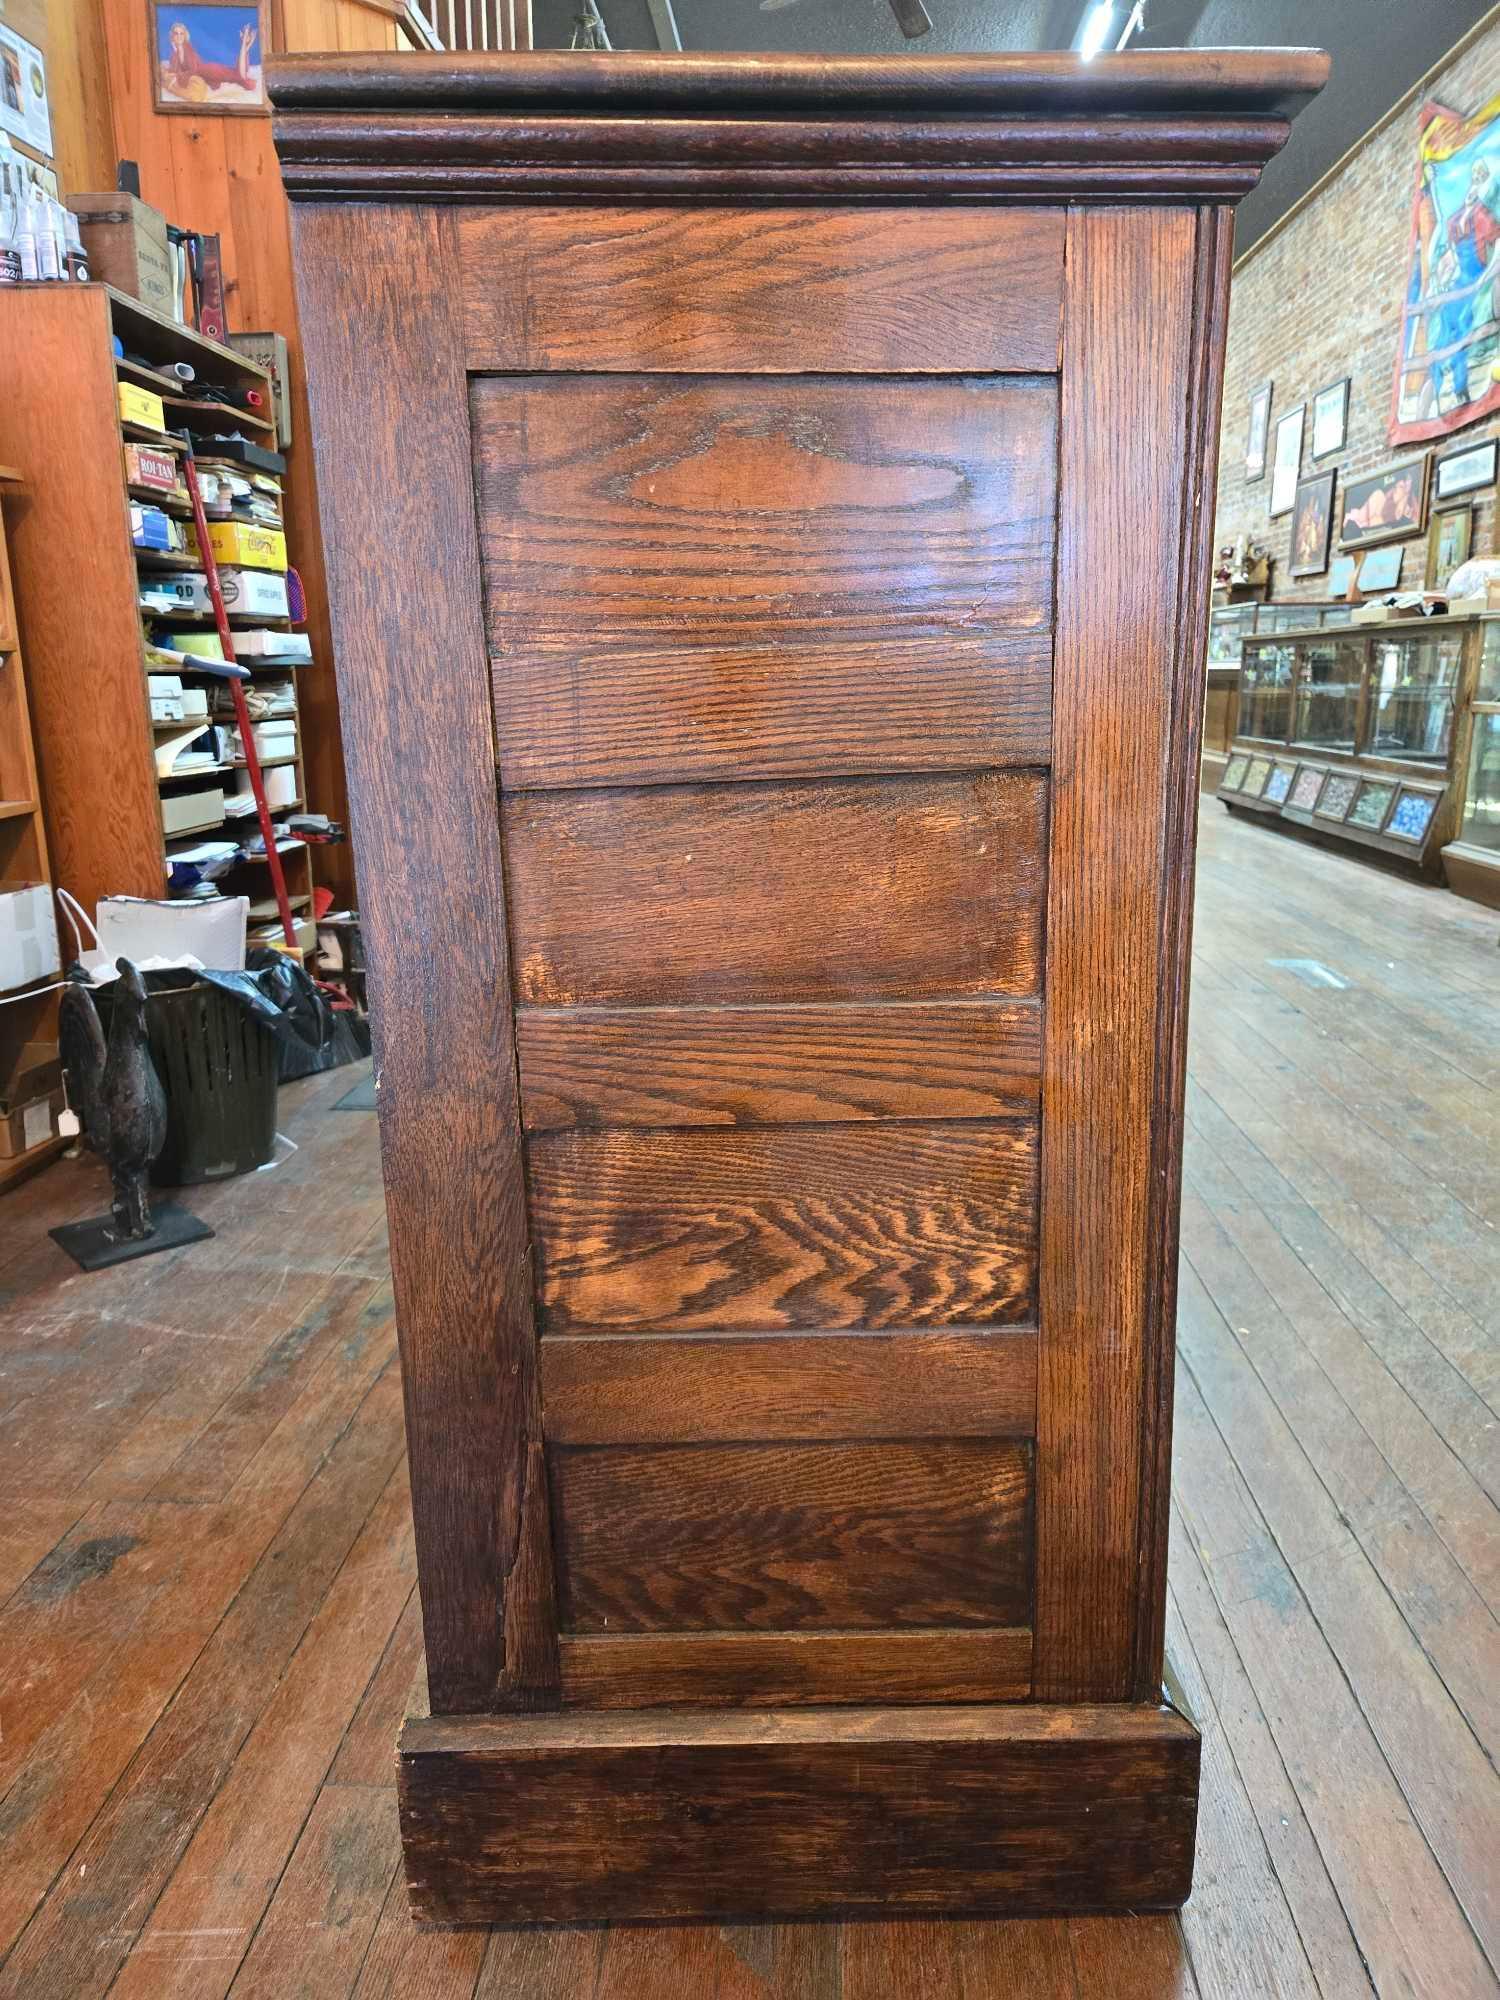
(1312, 524)
(1287, 463)
(1384, 506)
(1468, 470)
(1449, 340)
(1330, 419)
(1258, 433)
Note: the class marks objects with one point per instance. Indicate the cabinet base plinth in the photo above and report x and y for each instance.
(670, 1813)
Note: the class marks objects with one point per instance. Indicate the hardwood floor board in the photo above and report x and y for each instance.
(1318, 1639)
(404, 1963)
(966, 1961)
(30, 1528)
(1131, 1958)
(544, 1965)
(367, 1755)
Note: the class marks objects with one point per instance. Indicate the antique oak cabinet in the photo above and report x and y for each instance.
(767, 504)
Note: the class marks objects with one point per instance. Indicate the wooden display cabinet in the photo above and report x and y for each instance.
(1360, 734)
(789, 478)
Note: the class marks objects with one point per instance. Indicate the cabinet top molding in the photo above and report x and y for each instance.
(1154, 124)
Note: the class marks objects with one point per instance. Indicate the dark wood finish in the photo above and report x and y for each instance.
(715, 510)
(781, 1813)
(844, 890)
(794, 1226)
(789, 802)
(633, 1389)
(448, 1100)
(762, 290)
(572, 714)
(795, 1669)
(792, 1537)
(776, 1065)
(1128, 691)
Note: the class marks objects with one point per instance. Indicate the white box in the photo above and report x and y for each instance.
(274, 645)
(259, 593)
(28, 935)
(164, 692)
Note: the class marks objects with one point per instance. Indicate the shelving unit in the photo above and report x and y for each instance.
(23, 836)
(95, 734)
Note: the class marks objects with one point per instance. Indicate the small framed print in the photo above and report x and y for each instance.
(1384, 506)
(1256, 776)
(1381, 569)
(1372, 805)
(207, 57)
(1233, 779)
(1330, 418)
(1259, 432)
(1305, 791)
(1411, 816)
(1287, 463)
(1469, 470)
(1312, 524)
(1449, 540)
(1336, 796)
(1341, 576)
(1279, 784)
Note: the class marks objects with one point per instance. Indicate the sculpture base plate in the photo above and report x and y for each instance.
(756, 1814)
(96, 1244)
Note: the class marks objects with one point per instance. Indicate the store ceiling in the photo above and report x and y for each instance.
(1379, 48)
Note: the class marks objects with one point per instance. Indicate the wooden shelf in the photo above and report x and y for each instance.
(23, 1165)
(205, 405)
(162, 559)
(266, 764)
(142, 326)
(16, 808)
(149, 378)
(169, 503)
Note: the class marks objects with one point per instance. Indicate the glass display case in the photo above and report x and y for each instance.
(1230, 626)
(1386, 735)
(1471, 860)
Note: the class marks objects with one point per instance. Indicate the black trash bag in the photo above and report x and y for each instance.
(312, 1036)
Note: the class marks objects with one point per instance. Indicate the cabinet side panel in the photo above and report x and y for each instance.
(379, 301)
(1123, 688)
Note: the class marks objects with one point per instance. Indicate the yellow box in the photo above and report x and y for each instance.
(243, 545)
(139, 406)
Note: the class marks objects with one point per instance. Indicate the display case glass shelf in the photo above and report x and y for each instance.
(1258, 705)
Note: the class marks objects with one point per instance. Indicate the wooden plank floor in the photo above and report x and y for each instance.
(207, 1621)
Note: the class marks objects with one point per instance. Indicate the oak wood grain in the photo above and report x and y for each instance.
(794, 1669)
(569, 713)
(776, 1065)
(1122, 688)
(856, 890)
(771, 290)
(878, 1225)
(792, 1537)
(623, 508)
(389, 417)
(635, 1389)
(1015, 1809)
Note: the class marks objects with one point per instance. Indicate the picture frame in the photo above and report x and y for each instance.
(1468, 470)
(1381, 570)
(207, 57)
(1312, 524)
(1330, 418)
(1450, 539)
(1286, 465)
(1388, 505)
(1341, 576)
(1258, 432)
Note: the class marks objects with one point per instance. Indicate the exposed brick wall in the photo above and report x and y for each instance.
(1323, 299)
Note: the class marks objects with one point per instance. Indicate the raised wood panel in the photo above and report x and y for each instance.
(763, 289)
(753, 1813)
(794, 1669)
(896, 887)
(569, 714)
(790, 1537)
(835, 1226)
(716, 1388)
(625, 509)
(781, 1065)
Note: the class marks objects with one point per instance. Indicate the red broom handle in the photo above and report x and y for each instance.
(237, 689)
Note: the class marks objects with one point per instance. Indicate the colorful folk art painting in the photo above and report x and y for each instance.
(1448, 357)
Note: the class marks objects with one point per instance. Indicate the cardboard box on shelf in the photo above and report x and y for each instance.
(126, 242)
(243, 543)
(28, 935)
(145, 466)
(31, 1099)
(193, 812)
(141, 406)
(257, 593)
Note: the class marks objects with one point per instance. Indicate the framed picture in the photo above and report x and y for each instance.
(1234, 777)
(1384, 506)
(1287, 463)
(1336, 796)
(1411, 816)
(1381, 570)
(1330, 419)
(1259, 432)
(1369, 809)
(206, 57)
(1305, 792)
(1341, 576)
(1256, 776)
(1449, 540)
(1312, 524)
(1279, 783)
(1466, 471)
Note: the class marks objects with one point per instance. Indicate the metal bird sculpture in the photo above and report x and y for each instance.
(116, 1092)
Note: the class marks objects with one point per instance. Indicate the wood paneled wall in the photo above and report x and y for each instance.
(219, 175)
